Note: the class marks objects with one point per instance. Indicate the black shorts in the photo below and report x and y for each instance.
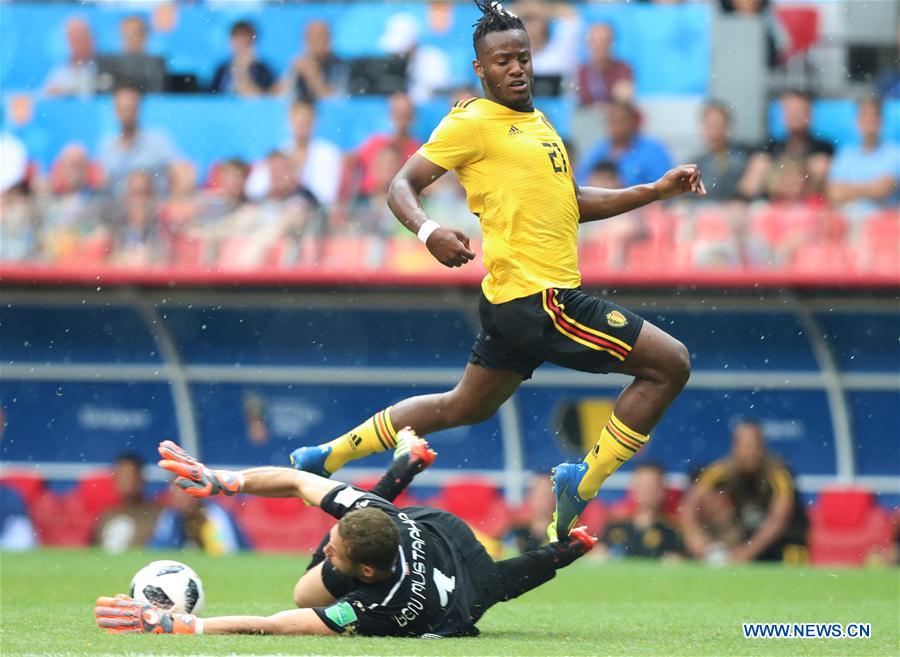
(566, 327)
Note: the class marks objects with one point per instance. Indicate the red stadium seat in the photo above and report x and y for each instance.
(661, 224)
(98, 493)
(477, 502)
(188, 251)
(847, 527)
(282, 525)
(712, 225)
(595, 517)
(824, 256)
(62, 520)
(647, 256)
(29, 486)
(345, 253)
(880, 243)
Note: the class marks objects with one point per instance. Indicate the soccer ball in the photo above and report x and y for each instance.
(170, 586)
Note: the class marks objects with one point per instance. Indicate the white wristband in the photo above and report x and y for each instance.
(198, 626)
(426, 229)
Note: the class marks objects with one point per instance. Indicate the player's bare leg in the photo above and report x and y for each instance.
(476, 398)
(661, 367)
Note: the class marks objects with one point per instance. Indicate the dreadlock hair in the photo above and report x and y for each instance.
(495, 19)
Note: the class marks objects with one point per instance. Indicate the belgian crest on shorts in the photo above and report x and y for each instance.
(616, 319)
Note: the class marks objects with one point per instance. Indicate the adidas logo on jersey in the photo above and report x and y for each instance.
(513, 131)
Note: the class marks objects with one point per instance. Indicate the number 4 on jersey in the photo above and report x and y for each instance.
(445, 585)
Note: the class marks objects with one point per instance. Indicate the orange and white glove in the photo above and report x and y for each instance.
(194, 478)
(123, 614)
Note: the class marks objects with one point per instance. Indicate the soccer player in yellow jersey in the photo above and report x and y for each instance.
(518, 181)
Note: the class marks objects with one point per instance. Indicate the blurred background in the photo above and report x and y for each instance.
(194, 245)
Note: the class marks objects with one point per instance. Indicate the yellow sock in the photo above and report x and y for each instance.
(617, 444)
(374, 435)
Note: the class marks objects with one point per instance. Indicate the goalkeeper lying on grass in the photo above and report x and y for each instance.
(380, 571)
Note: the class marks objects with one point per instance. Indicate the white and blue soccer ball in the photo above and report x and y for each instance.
(170, 586)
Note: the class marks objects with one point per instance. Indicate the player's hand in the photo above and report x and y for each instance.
(450, 247)
(194, 478)
(122, 614)
(682, 179)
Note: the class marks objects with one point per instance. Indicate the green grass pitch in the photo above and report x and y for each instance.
(592, 608)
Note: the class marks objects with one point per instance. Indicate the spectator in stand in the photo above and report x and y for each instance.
(189, 522)
(797, 111)
(19, 218)
(286, 215)
(648, 533)
(72, 210)
(865, 178)
(794, 216)
(371, 215)
(640, 159)
(227, 196)
(317, 73)
(136, 232)
(724, 163)
(427, 68)
(319, 163)
(243, 74)
(760, 9)
(134, 33)
(553, 28)
(530, 528)
(603, 78)
(77, 76)
(182, 207)
(766, 504)
(16, 531)
(130, 524)
(615, 236)
(133, 148)
(402, 115)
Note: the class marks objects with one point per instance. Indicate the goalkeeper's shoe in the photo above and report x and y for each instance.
(412, 453)
(569, 505)
(122, 614)
(581, 541)
(311, 459)
(194, 478)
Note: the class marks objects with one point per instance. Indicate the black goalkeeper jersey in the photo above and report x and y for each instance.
(430, 591)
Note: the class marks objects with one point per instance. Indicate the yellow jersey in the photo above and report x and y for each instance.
(519, 183)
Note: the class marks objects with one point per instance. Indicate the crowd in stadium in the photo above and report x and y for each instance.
(133, 200)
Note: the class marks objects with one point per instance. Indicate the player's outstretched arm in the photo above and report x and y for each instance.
(595, 203)
(122, 614)
(449, 246)
(198, 480)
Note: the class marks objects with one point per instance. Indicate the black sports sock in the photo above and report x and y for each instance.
(395, 480)
(530, 570)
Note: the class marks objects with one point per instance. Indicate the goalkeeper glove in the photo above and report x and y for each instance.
(122, 614)
(194, 478)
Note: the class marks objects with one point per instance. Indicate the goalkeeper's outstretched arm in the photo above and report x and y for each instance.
(198, 480)
(122, 614)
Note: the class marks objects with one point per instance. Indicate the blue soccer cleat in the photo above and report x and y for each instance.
(566, 477)
(311, 459)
